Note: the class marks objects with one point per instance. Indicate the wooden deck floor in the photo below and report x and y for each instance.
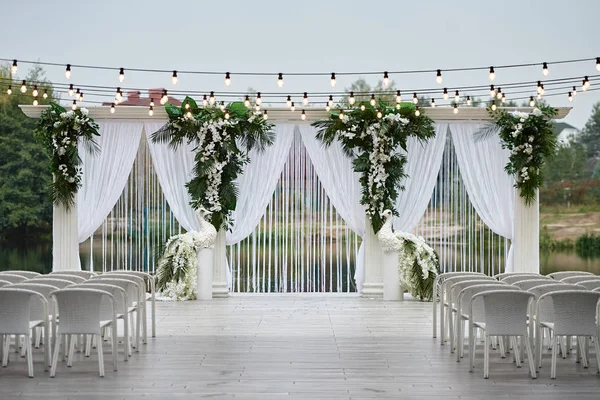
(296, 347)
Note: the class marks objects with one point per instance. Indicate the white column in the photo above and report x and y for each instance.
(373, 286)
(219, 280)
(205, 265)
(65, 244)
(527, 235)
(392, 290)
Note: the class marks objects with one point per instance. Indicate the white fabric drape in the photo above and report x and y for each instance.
(491, 190)
(105, 174)
(341, 183)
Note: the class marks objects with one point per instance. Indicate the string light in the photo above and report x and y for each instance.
(445, 94)
(330, 102)
(288, 102)
(45, 95)
(35, 101)
(586, 82)
(362, 107)
(379, 114)
(222, 106)
(265, 115)
(499, 94)
(74, 105)
(164, 98)
(247, 101)
(341, 114)
(438, 77)
(303, 115)
(417, 111)
(539, 87)
(455, 108)
(531, 102)
(174, 78)
(9, 90)
(227, 79)
(469, 100)
(492, 91)
(24, 86)
(542, 90)
(80, 97)
(415, 98)
(503, 98)
(211, 98)
(597, 63)
(327, 108)
(398, 106)
(121, 75)
(14, 68)
(545, 70)
(258, 99)
(492, 74)
(152, 102)
(574, 91)
(332, 81)
(305, 99)
(189, 114)
(68, 71)
(293, 107)
(70, 90)
(456, 97)
(372, 101)
(398, 97)
(151, 111)
(112, 108)
(187, 106)
(280, 80)
(539, 96)
(204, 101)
(386, 79)
(35, 91)
(351, 99)
(118, 96)
(226, 114)
(570, 96)
(257, 108)
(433, 102)
(494, 107)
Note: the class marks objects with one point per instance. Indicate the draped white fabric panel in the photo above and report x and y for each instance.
(258, 182)
(491, 190)
(105, 174)
(422, 168)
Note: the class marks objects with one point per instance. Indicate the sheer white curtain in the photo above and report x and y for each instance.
(342, 185)
(422, 167)
(491, 190)
(105, 174)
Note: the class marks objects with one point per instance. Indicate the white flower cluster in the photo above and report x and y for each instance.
(420, 252)
(527, 147)
(396, 118)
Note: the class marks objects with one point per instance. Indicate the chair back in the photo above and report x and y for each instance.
(518, 278)
(132, 288)
(590, 285)
(26, 274)
(38, 310)
(12, 278)
(565, 274)
(465, 296)
(530, 283)
(82, 274)
(575, 312)
(66, 277)
(15, 312)
(4, 283)
(448, 282)
(507, 274)
(59, 283)
(148, 279)
(79, 310)
(119, 294)
(455, 289)
(505, 312)
(577, 279)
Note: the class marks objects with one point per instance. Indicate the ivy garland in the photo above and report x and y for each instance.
(530, 139)
(222, 138)
(60, 131)
(372, 136)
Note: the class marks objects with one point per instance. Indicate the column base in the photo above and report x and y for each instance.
(220, 290)
(371, 289)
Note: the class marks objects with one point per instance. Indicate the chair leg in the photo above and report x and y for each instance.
(137, 330)
(471, 347)
(486, 357)
(55, 356)
(38, 337)
(442, 322)
(47, 347)
(100, 358)
(88, 345)
(502, 346)
(452, 324)
(6, 351)
(554, 354)
(27, 346)
(597, 346)
(145, 322)
(530, 357)
(582, 351)
(127, 342)
(154, 318)
(115, 349)
(517, 351)
(71, 351)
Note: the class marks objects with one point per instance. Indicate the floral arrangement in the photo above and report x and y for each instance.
(177, 270)
(530, 139)
(372, 135)
(419, 265)
(60, 132)
(222, 136)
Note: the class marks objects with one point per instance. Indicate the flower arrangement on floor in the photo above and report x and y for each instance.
(222, 136)
(530, 139)
(60, 131)
(177, 270)
(373, 135)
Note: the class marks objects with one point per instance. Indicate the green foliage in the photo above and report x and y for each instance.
(590, 135)
(550, 244)
(574, 192)
(588, 246)
(569, 163)
(223, 139)
(531, 140)
(421, 288)
(373, 136)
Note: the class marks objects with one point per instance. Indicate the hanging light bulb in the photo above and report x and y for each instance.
(24, 87)
(545, 70)
(574, 91)
(351, 99)
(280, 80)
(330, 102)
(445, 94)
(341, 114)
(494, 107)
(74, 105)
(305, 99)
(189, 114)
(433, 102)
(499, 94)
(583, 86)
(288, 102)
(165, 97)
(187, 106)
(503, 98)
(9, 90)
(68, 71)
(204, 101)
(398, 97)
(492, 91)
(211, 98)
(587, 82)
(539, 96)
(151, 111)
(265, 115)
(415, 98)
(70, 90)
(570, 96)
(14, 68)
(121, 75)
(222, 106)
(112, 108)
(531, 102)
(379, 114)
(45, 95)
(247, 101)
(386, 79)
(456, 97)
(469, 100)
(398, 106)
(118, 96)
(226, 114)
(372, 101)
(258, 99)
(597, 63)
(80, 97)
(35, 101)
(152, 102)
(78, 94)
(227, 79)
(174, 78)
(455, 108)
(492, 74)
(35, 91)
(292, 107)
(542, 90)
(417, 111)
(362, 107)
(539, 87)
(303, 115)
(256, 108)
(332, 81)
(327, 107)
(438, 77)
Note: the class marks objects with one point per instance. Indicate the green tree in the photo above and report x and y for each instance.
(568, 164)
(363, 92)
(25, 202)
(590, 135)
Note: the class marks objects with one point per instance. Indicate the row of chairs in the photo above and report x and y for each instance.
(518, 305)
(72, 305)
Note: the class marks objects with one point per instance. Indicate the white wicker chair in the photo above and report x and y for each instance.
(80, 315)
(437, 285)
(565, 274)
(15, 318)
(65, 277)
(528, 284)
(59, 283)
(575, 314)
(581, 278)
(26, 274)
(505, 314)
(150, 285)
(507, 274)
(590, 285)
(12, 278)
(4, 283)
(519, 278)
(82, 274)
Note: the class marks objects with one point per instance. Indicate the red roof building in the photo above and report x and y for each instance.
(133, 98)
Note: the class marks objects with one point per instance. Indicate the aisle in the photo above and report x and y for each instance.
(295, 347)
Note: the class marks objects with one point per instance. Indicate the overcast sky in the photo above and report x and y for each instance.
(307, 35)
